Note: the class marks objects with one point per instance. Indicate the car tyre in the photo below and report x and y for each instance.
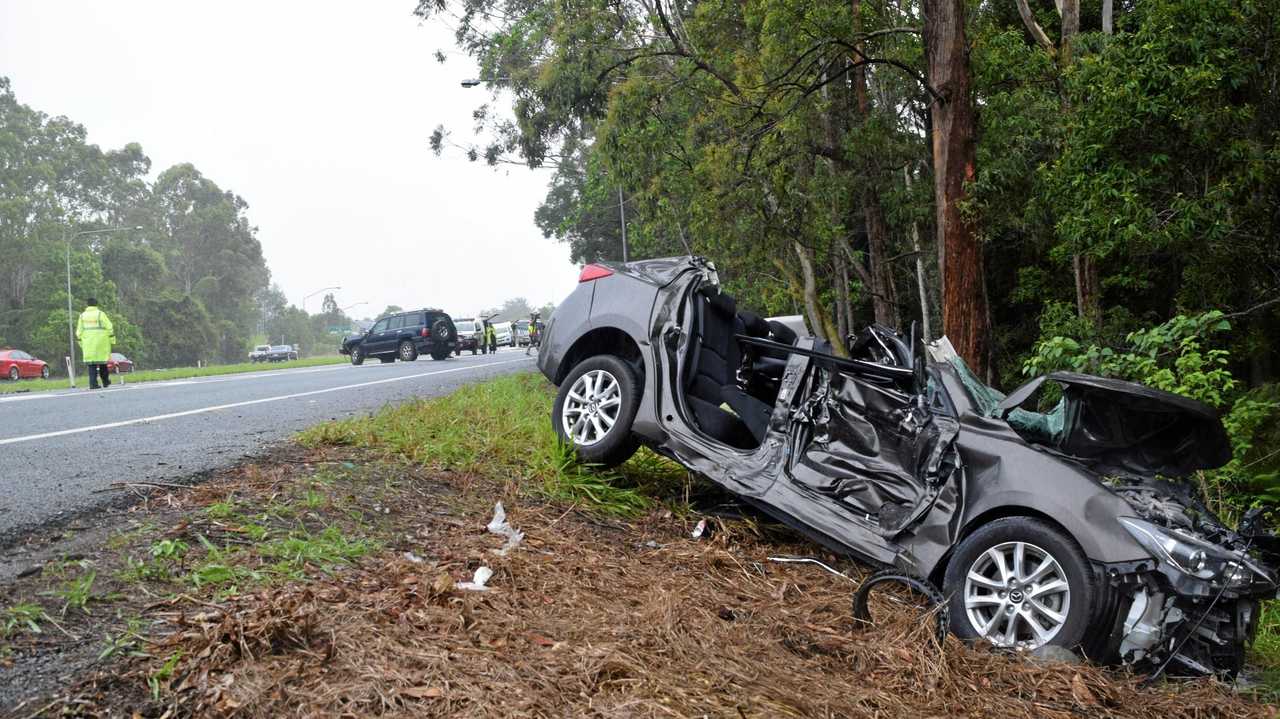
(602, 378)
(44, 372)
(1060, 580)
(13, 374)
(408, 353)
(440, 354)
(357, 356)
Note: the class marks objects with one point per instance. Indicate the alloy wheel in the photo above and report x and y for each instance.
(1016, 595)
(592, 407)
(13, 374)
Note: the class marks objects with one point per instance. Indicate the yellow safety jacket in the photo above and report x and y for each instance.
(490, 333)
(96, 336)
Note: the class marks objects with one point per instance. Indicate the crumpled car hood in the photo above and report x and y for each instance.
(1127, 428)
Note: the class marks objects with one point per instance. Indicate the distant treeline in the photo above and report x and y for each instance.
(175, 262)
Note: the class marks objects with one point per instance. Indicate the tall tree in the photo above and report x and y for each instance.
(965, 315)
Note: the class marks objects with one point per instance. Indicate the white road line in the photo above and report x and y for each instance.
(208, 379)
(246, 403)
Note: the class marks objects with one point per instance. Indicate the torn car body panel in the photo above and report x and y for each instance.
(897, 459)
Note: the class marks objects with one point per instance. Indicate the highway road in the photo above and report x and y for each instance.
(57, 448)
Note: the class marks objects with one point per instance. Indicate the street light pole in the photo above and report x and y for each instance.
(71, 334)
(313, 294)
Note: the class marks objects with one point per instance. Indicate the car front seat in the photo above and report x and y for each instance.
(715, 358)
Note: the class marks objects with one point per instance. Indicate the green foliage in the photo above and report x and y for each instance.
(21, 617)
(1180, 356)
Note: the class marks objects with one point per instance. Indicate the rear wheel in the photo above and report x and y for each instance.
(1020, 583)
(13, 374)
(357, 355)
(408, 352)
(595, 408)
(44, 372)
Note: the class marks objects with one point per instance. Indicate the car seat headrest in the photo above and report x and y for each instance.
(782, 333)
(754, 325)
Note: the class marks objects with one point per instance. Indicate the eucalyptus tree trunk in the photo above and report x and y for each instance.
(965, 317)
(926, 326)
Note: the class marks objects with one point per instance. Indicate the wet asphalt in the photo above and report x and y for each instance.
(64, 453)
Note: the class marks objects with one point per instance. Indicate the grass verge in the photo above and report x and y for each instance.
(159, 375)
(501, 429)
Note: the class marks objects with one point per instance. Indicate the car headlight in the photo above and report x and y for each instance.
(1190, 555)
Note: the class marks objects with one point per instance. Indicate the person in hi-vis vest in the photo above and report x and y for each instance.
(96, 336)
(491, 337)
(533, 333)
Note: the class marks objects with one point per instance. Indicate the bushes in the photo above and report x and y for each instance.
(1181, 356)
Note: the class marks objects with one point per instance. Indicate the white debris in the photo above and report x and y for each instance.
(498, 525)
(699, 530)
(413, 557)
(479, 581)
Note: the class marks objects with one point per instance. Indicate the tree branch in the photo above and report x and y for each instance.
(1034, 28)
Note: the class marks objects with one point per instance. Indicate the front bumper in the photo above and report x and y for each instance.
(1148, 619)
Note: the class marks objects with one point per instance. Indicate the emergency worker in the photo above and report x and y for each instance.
(96, 335)
(534, 335)
(491, 337)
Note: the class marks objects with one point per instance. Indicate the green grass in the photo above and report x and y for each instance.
(158, 375)
(21, 618)
(1266, 647)
(502, 428)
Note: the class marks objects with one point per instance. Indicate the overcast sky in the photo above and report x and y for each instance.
(318, 115)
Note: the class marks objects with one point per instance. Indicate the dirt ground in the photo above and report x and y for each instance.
(330, 583)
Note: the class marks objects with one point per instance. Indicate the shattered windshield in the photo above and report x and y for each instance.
(1040, 427)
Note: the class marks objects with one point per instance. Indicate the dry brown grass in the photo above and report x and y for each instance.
(587, 618)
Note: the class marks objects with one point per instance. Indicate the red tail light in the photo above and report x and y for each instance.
(425, 332)
(594, 272)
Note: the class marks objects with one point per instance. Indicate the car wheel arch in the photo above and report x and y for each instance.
(602, 341)
(939, 570)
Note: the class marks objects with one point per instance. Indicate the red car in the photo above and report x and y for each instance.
(16, 364)
(119, 364)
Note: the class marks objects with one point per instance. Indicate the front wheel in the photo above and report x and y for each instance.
(408, 352)
(595, 408)
(1020, 583)
(357, 356)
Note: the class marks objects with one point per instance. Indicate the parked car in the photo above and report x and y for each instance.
(16, 365)
(404, 335)
(119, 364)
(520, 333)
(1070, 526)
(503, 332)
(470, 334)
(259, 353)
(280, 353)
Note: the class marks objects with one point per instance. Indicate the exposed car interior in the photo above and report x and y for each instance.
(731, 383)
(729, 392)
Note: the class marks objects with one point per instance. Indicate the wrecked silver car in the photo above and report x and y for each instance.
(1067, 527)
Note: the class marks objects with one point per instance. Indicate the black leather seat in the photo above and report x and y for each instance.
(712, 380)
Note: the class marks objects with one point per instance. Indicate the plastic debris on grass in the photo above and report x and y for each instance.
(478, 583)
(499, 526)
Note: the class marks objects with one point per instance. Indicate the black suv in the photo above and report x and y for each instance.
(404, 335)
